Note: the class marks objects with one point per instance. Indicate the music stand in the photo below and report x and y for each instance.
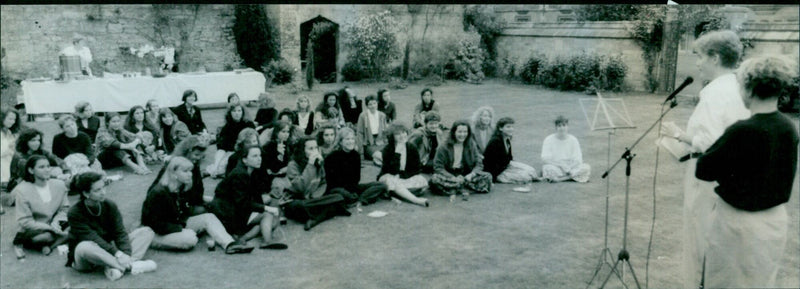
(609, 114)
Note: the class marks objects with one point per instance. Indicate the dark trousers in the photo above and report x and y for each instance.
(367, 193)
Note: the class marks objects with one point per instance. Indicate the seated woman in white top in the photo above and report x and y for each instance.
(371, 131)
(562, 156)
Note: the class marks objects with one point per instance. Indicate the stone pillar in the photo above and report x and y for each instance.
(668, 60)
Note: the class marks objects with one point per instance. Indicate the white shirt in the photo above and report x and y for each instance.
(302, 120)
(374, 122)
(565, 153)
(719, 107)
(458, 151)
(44, 192)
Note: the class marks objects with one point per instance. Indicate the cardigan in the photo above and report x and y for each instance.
(104, 229)
(309, 125)
(194, 121)
(363, 130)
(496, 158)
(391, 162)
(235, 197)
(419, 138)
(34, 214)
(471, 160)
(343, 170)
(165, 212)
(92, 127)
(64, 145)
(307, 182)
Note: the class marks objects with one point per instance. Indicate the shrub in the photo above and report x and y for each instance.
(466, 60)
(578, 72)
(373, 43)
(353, 71)
(531, 68)
(614, 72)
(508, 68)
(280, 71)
(256, 39)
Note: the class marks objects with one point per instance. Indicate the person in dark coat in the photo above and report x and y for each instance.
(343, 172)
(401, 170)
(498, 160)
(189, 114)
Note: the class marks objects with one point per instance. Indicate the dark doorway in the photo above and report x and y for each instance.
(325, 52)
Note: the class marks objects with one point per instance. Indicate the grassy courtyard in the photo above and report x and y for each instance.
(548, 238)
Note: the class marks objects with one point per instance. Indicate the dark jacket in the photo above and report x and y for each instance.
(343, 170)
(230, 133)
(495, 157)
(64, 146)
(107, 230)
(351, 114)
(91, 129)
(471, 160)
(235, 198)
(266, 116)
(194, 121)
(390, 111)
(391, 162)
(165, 212)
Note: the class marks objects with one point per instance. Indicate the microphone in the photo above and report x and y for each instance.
(683, 85)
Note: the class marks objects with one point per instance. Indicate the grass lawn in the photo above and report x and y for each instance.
(548, 238)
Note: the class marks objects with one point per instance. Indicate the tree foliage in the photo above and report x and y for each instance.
(256, 38)
(373, 43)
(482, 20)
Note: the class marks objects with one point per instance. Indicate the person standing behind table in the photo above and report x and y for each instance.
(329, 111)
(350, 104)
(266, 114)
(235, 121)
(78, 48)
(754, 162)
(481, 124)
(241, 204)
(498, 159)
(371, 131)
(427, 139)
(9, 131)
(720, 106)
(458, 166)
(386, 105)
(120, 147)
(169, 212)
(401, 171)
(189, 114)
(29, 144)
(97, 237)
(427, 104)
(41, 209)
(304, 116)
(343, 172)
(87, 122)
(562, 157)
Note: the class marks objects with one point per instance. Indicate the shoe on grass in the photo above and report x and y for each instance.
(143, 266)
(273, 246)
(113, 274)
(238, 248)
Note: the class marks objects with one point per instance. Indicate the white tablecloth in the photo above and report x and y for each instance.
(120, 94)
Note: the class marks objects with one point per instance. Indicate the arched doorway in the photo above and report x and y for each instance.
(325, 52)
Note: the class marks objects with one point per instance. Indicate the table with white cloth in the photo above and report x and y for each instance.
(120, 94)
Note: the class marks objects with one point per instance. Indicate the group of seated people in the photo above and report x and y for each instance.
(300, 164)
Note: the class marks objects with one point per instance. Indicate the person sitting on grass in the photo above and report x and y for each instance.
(329, 112)
(190, 114)
(386, 105)
(427, 140)
(326, 138)
(87, 122)
(242, 205)
(247, 137)
(401, 170)
(304, 115)
(194, 149)
(350, 104)
(235, 121)
(371, 131)
(266, 114)
(427, 104)
(137, 124)
(41, 209)
(343, 172)
(458, 166)
(169, 212)
(97, 238)
(562, 156)
(169, 131)
(151, 115)
(75, 148)
(309, 202)
(9, 131)
(120, 147)
(277, 154)
(499, 161)
(481, 124)
(29, 144)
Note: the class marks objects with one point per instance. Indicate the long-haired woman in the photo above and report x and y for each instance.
(458, 167)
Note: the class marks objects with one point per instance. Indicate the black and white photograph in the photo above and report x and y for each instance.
(400, 145)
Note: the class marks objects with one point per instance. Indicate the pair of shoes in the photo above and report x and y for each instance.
(113, 274)
(238, 248)
(273, 246)
(143, 266)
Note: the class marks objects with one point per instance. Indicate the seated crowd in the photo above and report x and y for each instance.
(299, 163)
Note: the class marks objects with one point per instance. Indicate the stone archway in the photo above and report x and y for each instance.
(324, 54)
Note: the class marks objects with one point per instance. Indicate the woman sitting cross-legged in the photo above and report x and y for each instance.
(30, 143)
(137, 124)
(311, 204)
(235, 121)
(343, 172)
(371, 131)
(41, 208)
(247, 137)
(329, 112)
(562, 156)
(401, 171)
(239, 202)
(75, 147)
(277, 153)
(498, 160)
(87, 122)
(458, 167)
(120, 147)
(97, 237)
(169, 213)
(481, 124)
(170, 131)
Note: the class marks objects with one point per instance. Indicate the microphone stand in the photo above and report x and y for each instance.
(624, 255)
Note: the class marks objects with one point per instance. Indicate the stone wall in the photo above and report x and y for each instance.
(560, 39)
(32, 36)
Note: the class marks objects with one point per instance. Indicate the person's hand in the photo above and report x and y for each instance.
(281, 148)
(56, 228)
(123, 259)
(469, 177)
(282, 171)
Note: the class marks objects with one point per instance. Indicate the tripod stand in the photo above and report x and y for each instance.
(609, 113)
(624, 255)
